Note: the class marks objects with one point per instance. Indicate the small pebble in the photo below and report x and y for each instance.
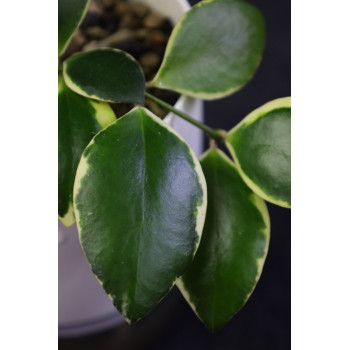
(96, 7)
(142, 33)
(149, 59)
(140, 10)
(96, 32)
(118, 37)
(92, 45)
(156, 37)
(129, 21)
(153, 20)
(122, 8)
(108, 3)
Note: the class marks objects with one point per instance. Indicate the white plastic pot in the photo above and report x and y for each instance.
(83, 306)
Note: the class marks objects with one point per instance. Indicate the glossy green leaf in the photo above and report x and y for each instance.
(233, 247)
(70, 13)
(214, 50)
(105, 74)
(79, 119)
(260, 144)
(140, 201)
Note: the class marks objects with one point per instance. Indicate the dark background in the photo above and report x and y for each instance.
(264, 322)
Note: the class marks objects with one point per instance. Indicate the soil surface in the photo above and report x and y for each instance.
(131, 27)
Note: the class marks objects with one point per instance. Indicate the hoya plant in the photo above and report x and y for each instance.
(149, 213)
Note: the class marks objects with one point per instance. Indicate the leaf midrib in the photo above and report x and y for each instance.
(144, 177)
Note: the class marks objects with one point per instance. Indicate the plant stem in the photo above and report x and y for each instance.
(215, 134)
